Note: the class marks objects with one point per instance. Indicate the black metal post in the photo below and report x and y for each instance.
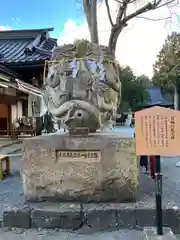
(158, 183)
(38, 126)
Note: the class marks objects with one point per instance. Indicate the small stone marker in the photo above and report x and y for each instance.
(157, 132)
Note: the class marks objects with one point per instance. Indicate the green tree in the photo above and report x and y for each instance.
(134, 94)
(144, 81)
(167, 65)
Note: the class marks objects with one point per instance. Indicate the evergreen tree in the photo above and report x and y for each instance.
(167, 65)
(134, 93)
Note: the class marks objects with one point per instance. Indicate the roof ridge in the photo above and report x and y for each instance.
(23, 34)
(43, 51)
(26, 47)
(28, 30)
(32, 46)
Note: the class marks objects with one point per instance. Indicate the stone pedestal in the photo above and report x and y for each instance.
(98, 167)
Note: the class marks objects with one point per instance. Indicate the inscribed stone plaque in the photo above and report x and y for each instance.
(157, 132)
(78, 156)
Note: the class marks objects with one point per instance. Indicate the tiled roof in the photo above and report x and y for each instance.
(157, 98)
(25, 46)
(6, 71)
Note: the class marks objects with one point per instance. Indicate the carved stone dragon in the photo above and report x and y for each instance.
(82, 87)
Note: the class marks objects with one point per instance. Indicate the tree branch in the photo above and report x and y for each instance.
(118, 1)
(165, 4)
(154, 19)
(94, 23)
(109, 13)
(148, 7)
(86, 7)
(121, 11)
(141, 10)
(90, 10)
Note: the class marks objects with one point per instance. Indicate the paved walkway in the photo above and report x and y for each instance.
(54, 235)
(11, 192)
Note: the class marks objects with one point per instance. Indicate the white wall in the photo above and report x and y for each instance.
(30, 105)
(16, 110)
(19, 109)
(13, 112)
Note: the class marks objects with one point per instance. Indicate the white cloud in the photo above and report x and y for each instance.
(138, 44)
(4, 28)
(72, 31)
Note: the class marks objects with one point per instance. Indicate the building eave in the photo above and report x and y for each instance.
(32, 64)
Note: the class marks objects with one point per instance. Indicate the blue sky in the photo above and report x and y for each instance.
(28, 14)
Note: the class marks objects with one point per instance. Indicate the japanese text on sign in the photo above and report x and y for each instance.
(156, 130)
(79, 155)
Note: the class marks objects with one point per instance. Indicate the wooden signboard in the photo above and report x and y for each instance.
(157, 132)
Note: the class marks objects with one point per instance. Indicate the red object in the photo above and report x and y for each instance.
(152, 163)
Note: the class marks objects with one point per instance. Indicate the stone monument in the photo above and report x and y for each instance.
(82, 89)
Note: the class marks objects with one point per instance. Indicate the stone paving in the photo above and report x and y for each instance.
(61, 235)
(11, 191)
(11, 194)
(11, 188)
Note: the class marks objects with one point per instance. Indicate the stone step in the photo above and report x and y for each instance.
(97, 217)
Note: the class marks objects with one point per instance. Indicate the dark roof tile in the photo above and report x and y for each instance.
(27, 49)
(6, 71)
(157, 98)
(49, 44)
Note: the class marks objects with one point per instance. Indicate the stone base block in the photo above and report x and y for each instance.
(48, 216)
(100, 167)
(18, 217)
(151, 234)
(96, 217)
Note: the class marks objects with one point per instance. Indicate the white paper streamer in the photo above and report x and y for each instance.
(75, 67)
(92, 65)
(101, 67)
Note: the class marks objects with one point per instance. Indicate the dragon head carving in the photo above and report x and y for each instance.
(82, 86)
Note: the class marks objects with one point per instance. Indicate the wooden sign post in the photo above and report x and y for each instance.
(157, 133)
